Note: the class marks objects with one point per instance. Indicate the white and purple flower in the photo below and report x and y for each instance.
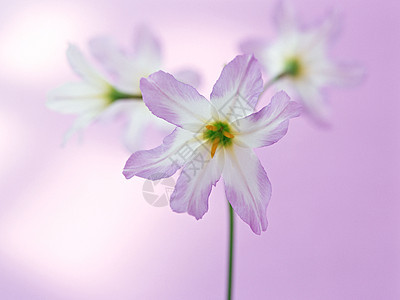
(297, 60)
(101, 96)
(215, 139)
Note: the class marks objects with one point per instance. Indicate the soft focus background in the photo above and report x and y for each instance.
(71, 226)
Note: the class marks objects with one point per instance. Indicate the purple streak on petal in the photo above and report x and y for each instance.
(195, 182)
(268, 125)
(160, 162)
(174, 101)
(247, 187)
(237, 89)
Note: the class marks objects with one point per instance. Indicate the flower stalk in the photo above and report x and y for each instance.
(116, 94)
(231, 248)
(273, 80)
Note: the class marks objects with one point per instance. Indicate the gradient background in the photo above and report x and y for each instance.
(71, 226)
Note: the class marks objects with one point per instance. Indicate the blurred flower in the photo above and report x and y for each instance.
(214, 139)
(101, 96)
(297, 60)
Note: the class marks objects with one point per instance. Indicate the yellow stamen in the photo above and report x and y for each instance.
(211, 127)
(228, 135)
(214, 147)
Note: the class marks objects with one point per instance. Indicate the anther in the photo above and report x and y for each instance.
(228, 135)
(211, 127)
(214, 147)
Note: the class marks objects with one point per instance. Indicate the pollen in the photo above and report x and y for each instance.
(218, 134)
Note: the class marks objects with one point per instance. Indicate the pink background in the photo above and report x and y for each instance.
(71, 226)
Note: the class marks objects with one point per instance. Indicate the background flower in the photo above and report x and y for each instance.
(104, 96)
(72, 227)
(299, 59)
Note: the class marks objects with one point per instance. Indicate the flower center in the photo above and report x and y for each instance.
(293, 67)
(218, 133)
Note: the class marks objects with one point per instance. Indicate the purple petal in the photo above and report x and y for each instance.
(268, 125)
(174, 101)
(247, 187)
(195, 182)
(165, 160)
(236, 91)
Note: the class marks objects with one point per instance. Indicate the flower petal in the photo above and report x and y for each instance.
(247, 187)
(268, 125)
(174, 101)
(76, 98)
(285, 17)
(342, 75)
(165, 160)
(327, 29)
(127, 70)
(140, 119)
(83, 68)
(133, 134)
(109, 55)
(81, 122)
(147, 49)
(314, 104)
(189, 77)
(195, 182)
(236, 91)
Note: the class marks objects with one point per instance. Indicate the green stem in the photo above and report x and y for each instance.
(231, 243)
(269, 83)
(115, 95)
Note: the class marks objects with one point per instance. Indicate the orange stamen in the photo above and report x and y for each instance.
(228, 135)
(211, 127)
(214, 147)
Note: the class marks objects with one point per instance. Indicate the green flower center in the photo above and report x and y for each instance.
(293, 67)
(218, 134)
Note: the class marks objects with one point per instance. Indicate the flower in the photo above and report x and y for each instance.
(213, 139)
(101, 96)
(297, 60)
